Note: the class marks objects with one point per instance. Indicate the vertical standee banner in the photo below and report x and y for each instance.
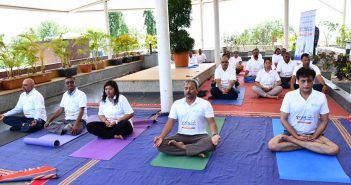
(305, 39)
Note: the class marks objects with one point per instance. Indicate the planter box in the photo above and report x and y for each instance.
(114, 62)
(99, 65)
(41, 78)
(67, 72)
(85, 68)
(9, 84)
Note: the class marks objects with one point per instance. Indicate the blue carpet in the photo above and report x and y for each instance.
(306, 165)
(238, 101)
(242, 158)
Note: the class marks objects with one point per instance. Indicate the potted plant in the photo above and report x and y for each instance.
(32, 52)
(124, 43)
(325, 62)
(9, 59)
(97, 40)
(343, 72)
(63, 52)
(181, 42)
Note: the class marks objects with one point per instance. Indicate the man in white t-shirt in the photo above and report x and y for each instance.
(31, 104)
(236, 62)
(192, 59)
(306, 63)
(254, 65)
(285, 69)
(304, 115)
(74, 104)
(225, 79)
(193, 115)
(201, 57)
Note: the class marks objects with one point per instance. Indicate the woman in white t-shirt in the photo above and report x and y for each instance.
(115, 113)
(267, 83)
(276, 57)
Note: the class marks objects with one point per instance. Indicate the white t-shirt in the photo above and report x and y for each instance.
(31, 104)
(304, 114)
(225, 76)
(192, 61)
(192, 119)
(73, 103)
(113, 112)
(234, 61)
(276, 58)
(267, 79)
(253, 66)
(201, 58)
(286, 69)
(311, 66)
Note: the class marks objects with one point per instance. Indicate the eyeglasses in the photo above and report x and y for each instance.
(224, 62)
(69, 82)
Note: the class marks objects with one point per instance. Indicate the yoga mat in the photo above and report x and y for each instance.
(306, 165)
(185, 162)
(137, 122)
(238, 101)
(105, 149)
(8, 136)
(51, 140)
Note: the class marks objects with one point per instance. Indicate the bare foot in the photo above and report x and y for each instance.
(202, 155)
(118, 137)
(180, 145)
(272, 97)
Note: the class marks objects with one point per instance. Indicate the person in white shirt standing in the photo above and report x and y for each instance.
(254, 65)
(201, 57)
(267, 82)
(115, 114)
(306, 63)
(31, 103)
(74, 104)
(225, 79)
(276, 58)
(304, 115)
(192, 114)
(285, 69)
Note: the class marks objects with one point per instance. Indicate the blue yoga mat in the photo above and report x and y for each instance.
(306, 165)
(238, 101)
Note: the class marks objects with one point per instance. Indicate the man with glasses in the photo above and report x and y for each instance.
(304, 115)
(225, 78)
(31, 103)
(74, 104)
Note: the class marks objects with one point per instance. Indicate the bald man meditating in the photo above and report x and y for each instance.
(31, 103)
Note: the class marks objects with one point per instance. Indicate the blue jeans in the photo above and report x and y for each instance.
(17, 122)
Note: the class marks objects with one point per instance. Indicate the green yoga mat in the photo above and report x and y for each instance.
(185, 162)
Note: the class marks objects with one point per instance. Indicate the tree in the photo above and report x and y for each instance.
(330, 29)
(48, 29)
(149, 22)
(117, 24)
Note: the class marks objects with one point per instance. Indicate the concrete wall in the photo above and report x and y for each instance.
(56, 87)
(150, 60)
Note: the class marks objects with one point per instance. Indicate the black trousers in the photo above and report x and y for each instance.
(100, 129)
(285, 82)
(17, 122)
(317, 87)
(217, 94)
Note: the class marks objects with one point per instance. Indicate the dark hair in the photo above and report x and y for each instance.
(195, 82)
(275, 51)
(305, 55)
(267, 59)
(226, 54)
(114, 85)
(68, 77)
(305, 72)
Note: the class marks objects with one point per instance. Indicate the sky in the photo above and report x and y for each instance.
(235, 16)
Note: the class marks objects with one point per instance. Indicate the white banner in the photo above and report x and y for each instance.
(305, 38)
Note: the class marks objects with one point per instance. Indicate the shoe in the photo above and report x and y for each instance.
(15, 128)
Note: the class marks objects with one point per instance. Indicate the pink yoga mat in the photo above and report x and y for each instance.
(105, 149)
(51, 140)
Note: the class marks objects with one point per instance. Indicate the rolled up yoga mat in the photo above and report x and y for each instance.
(185, 162)
(305, 165)
(51, 140)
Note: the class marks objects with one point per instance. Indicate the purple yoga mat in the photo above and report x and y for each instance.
(105, 149)
(51, 140)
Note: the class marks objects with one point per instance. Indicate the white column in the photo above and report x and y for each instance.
(216, 32)
(107, 22)
(202, 23)
(344, 13)
(164, 55)
(286, 24)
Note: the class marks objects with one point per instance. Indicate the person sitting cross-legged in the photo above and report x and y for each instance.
(267, 81)
(304, 115)
(193, 114)
(225, 78)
